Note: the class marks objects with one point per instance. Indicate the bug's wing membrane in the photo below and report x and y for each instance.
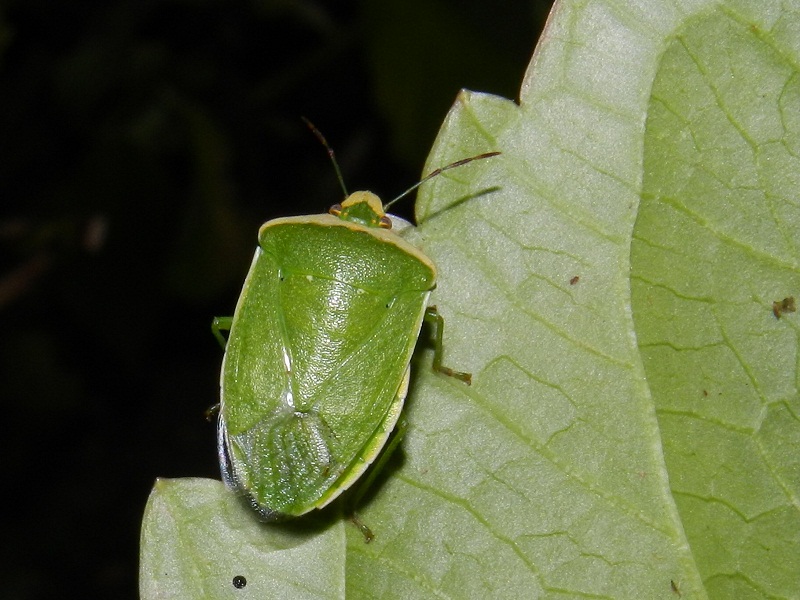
(287, 456)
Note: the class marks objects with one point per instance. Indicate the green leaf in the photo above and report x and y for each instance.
(715, 244)
(197, 537)
(632, 429)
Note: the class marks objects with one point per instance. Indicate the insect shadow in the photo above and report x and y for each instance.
(463, 200)
(293, 532)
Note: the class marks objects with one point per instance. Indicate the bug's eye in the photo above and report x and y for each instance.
(385, 222)
(335, 210)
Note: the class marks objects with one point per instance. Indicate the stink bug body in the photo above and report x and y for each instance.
(316, 365)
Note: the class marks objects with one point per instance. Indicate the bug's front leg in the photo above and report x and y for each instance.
(218, 325)
(432, 316)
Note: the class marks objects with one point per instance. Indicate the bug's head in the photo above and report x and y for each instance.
(364, 208)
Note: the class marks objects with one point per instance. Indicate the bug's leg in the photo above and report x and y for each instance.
(374, 471)
(218, 325)
(362, 527)
(212, 412)
(432, 316)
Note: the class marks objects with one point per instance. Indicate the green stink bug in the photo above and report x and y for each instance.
(316, 364)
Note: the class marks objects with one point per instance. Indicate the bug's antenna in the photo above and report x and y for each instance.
(439, 171)
(332, 156)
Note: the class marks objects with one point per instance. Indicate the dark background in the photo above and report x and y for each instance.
(142, 143)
